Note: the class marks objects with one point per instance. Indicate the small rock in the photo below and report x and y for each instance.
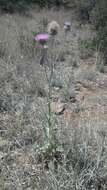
(72, 95)
(73, 99)
(57, 107)
(56, 89)
(62, 99)
(78, 87)
(57, 83)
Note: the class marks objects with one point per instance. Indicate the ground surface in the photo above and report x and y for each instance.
(78, 87)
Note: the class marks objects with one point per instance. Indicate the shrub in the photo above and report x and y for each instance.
(27, 45)
(95, 12)
(99, 19)
(14, 5)
(48, 3)
(87, 48)
(21, 5)
(84, 7)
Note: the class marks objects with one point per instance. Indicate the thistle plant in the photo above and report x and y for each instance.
(67, 26)
(42, 39)
(49, 142)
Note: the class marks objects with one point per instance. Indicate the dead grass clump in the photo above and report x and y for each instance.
(61, 56)
(83, 162)
(43, 24)
(3, 50)
(27, 45)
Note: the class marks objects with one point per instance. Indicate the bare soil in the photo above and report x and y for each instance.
(24, 90)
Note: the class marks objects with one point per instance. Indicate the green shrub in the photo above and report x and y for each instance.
(14, 5)
(84, 7)
(21, 5)
(99, 14)
(99, 19)
(48, 3)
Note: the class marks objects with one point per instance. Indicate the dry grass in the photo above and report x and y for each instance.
(80, 161)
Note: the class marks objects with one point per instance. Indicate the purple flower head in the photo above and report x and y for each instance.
(42, 38)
